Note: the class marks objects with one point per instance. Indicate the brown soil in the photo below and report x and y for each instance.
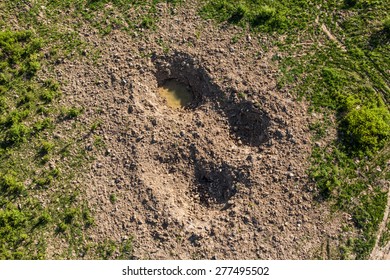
(224, 178)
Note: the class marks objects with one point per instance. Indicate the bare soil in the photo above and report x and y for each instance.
(224, 178)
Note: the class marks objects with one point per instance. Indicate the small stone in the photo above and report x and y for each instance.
(56, 136)
(279, 133)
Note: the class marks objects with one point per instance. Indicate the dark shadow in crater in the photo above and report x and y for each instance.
(247, 122)
(217, 183)
(184, 69)
(214, 183)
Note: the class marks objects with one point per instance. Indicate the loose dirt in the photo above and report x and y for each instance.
(222, 178)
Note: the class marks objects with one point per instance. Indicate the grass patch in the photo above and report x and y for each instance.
(266, 15)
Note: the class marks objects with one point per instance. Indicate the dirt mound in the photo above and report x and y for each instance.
(224, 177)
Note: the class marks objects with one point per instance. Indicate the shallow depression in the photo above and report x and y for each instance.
(176, 94)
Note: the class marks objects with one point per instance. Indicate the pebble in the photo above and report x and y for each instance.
(290, 175)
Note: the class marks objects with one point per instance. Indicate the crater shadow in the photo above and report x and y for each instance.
(248, 123)
(214, 183)
(185, 70)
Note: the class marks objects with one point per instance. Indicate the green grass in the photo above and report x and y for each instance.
(261, 15)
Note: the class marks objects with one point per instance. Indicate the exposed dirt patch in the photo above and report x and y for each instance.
(224, 177)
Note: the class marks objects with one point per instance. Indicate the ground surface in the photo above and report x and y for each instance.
(224, 179)
(228, 177)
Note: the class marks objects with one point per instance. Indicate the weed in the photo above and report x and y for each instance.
(241, 95)
(10, 185)
(95, 125)
(126, 250)
(266, 15)
(44, 182)
(98, 141)
(106, 249)
(71, 113)
(45, 148)
(16, 134)
(44, 219)
(42, 125)
(48, 96)
(113, 198)
(87, 217)
(61, 228)
(147, 23)
(70, 215)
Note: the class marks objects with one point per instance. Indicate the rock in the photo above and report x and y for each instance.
(279, 133)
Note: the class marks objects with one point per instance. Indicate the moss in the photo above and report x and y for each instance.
(367, 129)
